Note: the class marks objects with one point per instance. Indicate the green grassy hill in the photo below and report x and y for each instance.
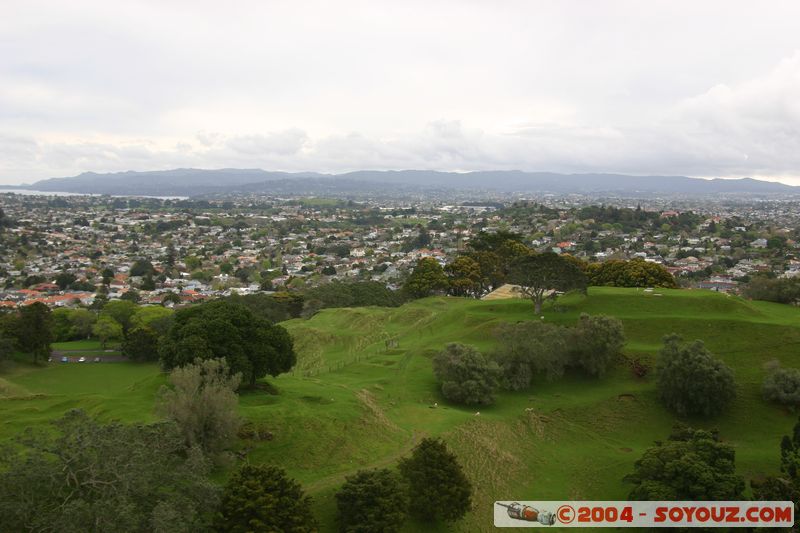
(363, 392)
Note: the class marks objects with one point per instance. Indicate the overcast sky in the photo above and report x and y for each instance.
(700, 88)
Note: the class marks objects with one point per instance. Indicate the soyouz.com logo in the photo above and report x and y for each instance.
(643, 514)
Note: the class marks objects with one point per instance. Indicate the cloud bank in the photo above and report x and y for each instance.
(666, 88)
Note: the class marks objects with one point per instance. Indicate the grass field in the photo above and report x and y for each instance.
(363, 390)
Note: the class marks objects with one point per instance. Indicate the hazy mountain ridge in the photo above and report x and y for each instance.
(192, 182)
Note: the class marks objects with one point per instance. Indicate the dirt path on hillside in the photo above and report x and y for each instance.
(338, 478)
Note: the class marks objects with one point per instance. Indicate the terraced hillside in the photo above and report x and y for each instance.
(363, 393)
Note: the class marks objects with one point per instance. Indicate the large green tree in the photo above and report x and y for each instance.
(690, 465)
(223, 329)
(141, 344)
(428, 278)
(541, 275)
(372, 501)
(465, 375)
(35, 330)
(263, 499)
(691, 381)
(438, 487)
(465, 277)
(79, 475)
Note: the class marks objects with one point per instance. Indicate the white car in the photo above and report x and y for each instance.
(82, 360)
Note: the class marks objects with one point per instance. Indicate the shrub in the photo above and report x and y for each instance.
(466, 376)
(527, 348)
(691, 381)
(782, 385)
(596, 341)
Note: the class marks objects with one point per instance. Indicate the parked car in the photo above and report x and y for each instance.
(64, 359)
(97, 359)
(82, 360)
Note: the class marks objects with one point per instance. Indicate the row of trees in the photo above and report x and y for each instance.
(780, 290)
(524, 350)
(495, 259)
(690, 380)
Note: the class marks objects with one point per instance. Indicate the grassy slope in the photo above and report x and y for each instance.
(353, 403)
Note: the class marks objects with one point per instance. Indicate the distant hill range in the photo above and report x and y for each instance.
(195, 182)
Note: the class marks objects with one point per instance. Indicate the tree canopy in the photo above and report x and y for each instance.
(691, 381)
(633, 273)
(690, 465)
(115, 477)
(538, 274)
(438, 487)
(428, 278)
(372, 500)
(223, 329)
(263, 499)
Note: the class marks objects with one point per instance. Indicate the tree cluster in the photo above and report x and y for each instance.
(633, 273)
(527, 349)
(779, 290)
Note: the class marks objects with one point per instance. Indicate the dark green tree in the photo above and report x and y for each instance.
(595, 342)
(437, 484)
(691, 381)
(372, 501)
(691, 465)
(142, 267)
(263, 499)
(223, 329)
(543, 275)
(141, 344)
(428, 278)
(35, 330)
(65, 279)
(465, 375)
